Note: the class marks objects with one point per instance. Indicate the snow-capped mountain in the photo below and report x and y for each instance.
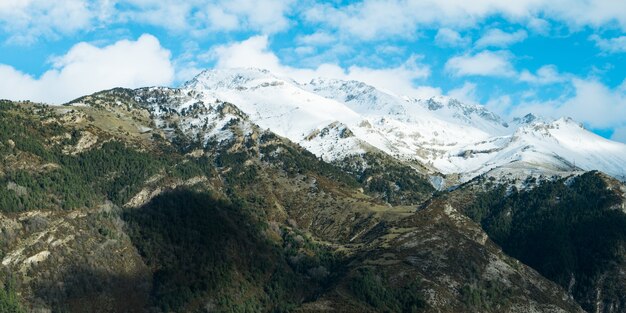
(544, 147)
(335, 119)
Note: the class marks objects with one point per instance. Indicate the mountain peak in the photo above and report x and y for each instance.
(570, 122)
(336, 119)
(468, 113)
(531, 118)
(232, 78)
(526, 119)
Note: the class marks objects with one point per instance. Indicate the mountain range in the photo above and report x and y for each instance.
(245, 191)
(336, 119)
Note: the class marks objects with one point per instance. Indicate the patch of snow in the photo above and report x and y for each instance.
(444, 134)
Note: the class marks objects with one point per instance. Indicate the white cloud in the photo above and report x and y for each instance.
(619, 134)
(27, 20)
(389, 49)
(595, 104)
(367, 19)
(317, 39)
(498, 38)
(219, 19)
(485, 63)
(169, 14)
(547, 74)
(610, 45)
(592, 102)
(86, 69)
(268, 16)
(254, 52)
(500, 105)
(373, 19)
(451, 38)
(304, 50)
(465, 93)
(201, 16)
(538, 25)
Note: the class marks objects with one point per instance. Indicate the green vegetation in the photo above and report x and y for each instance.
(9, 302)
(225, 245)
(298, 161)
(203, 248)
(373, 290)
(113, 171)
(389, 179)
(313, 260)
(107, 97)
(561, 228)
(484, 295)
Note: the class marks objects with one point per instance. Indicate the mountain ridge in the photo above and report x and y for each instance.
(362, 233)
(433, 132)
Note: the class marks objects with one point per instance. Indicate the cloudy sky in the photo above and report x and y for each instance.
(550, 57)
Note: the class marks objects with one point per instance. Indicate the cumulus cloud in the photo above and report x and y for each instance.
(451, 38)
(538, 25)
(169, 14)
(304, 50)
(267, 16)
(220, 19)
(86, 68)
(317, 38)
(367, 19)
(498, 38)
(201, 16)
(485, 63)
(610, 45)
(27, 20)
(547, 74)
(596, 104)
(619, 134)
(254, 52)
(500, 105)
(592, 102)
(373, 19)
(465, 93)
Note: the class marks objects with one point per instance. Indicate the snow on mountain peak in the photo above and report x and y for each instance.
(461, 110)
(336, 118)
(359, 96)
(526, 119)
(239, 78)
(559, 146)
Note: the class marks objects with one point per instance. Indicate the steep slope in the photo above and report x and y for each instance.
(280, 105)
(572, 230)
(338, 119)
(214, 213)
(429, 113)
(196, 119)
(299, 112)
(541, 147)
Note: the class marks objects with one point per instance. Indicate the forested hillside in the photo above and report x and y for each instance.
(115, 206)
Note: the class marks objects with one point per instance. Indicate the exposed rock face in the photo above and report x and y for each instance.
(87, 140)
(79, 260)
(294, 232)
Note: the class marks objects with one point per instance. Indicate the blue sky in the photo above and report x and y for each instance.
(553, 58)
